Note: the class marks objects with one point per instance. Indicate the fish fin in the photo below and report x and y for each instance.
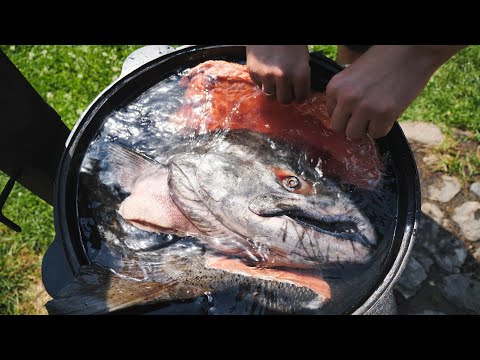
(96, 290)
(127, 164)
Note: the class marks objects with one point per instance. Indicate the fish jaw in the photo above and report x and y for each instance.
(326, 231)
(295, 246)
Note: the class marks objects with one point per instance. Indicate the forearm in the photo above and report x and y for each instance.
(428, 58)
(369, 95)
(438, 54)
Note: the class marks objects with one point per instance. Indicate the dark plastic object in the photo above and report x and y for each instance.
(3, 198)
(66, 221)
(322, 69)
(32, 135)
(56, 271)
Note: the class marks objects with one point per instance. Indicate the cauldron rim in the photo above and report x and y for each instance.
(127, 87)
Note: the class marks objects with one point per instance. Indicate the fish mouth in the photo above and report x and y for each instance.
(321, 232)
(343, 228)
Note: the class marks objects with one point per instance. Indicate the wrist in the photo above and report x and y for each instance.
(423, 59)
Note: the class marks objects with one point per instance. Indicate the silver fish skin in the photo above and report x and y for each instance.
(251, 197)
(264, 224)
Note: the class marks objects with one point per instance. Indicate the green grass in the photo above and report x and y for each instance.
(452, 100)
(452, 97)
(327, 50)
(70, 77)
(461, 165)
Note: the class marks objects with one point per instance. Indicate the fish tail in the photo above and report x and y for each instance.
(96, 290)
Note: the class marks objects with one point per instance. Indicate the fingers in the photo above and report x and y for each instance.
(364, 122)
(256, 78)
(331, 104)
(340, 117)
(357, 118)
(360, 123)
(281, 71)
(293, 88)
(268, 86)
(301, 86)
(284, 90)
(351, 114)
(357, 126)
(380, 128)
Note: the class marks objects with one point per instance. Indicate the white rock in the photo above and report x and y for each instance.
(448, 225)
(447, 189)
(433, 211)
(476, 254)
(430, 159)
(475, 188)
(467, 216)
(422, 132)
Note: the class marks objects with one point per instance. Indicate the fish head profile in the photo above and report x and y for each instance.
(255, 198)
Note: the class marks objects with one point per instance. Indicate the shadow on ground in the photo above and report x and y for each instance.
(441, 276)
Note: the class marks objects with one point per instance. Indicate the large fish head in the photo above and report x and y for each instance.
(260, 199)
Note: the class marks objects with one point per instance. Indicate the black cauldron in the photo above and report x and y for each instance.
(66, 254)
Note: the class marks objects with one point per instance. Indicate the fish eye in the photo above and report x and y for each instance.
(291, 183)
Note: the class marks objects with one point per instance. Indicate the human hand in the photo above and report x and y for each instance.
(281, 71)
(372, 93)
